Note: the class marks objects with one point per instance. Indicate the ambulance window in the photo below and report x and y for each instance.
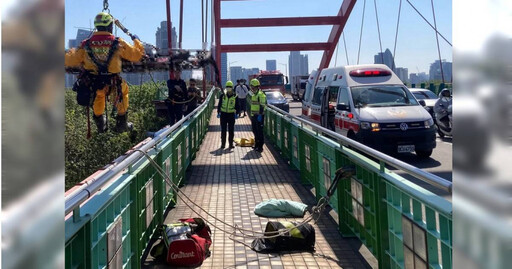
(307, 94)
(333, 94)
(317, 97)
(343, 97)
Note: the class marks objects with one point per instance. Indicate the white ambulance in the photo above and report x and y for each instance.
(370, 104)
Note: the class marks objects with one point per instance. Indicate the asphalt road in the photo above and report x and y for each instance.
(440, 163)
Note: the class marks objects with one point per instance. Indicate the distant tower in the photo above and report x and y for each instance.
(271, 65)
(387, 56)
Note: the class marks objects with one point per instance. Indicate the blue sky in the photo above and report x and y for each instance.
(416, 45)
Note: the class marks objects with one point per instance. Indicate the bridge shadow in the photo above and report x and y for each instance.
(238, 128)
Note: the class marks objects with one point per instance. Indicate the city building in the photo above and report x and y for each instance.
(297, 64)
(235, 73)
(247, 72)
(417, 78)
(162, 42)
(402, 73)
(271, 65)
(386, 58)
(224, 68)
(435, 70)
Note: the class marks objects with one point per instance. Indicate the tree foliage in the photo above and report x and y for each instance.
(85, 156)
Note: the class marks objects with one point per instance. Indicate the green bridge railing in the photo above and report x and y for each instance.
(402, 224)
(127, 200)
(112, 217)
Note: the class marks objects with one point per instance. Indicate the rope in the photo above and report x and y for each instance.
(245, 233)
(434, 28)
(345, 45)
(396, 34)
(378, 30)
(437, 39)
(182, 102)
(361, 34)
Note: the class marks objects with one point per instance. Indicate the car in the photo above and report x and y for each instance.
(426, 95)
(277, 99)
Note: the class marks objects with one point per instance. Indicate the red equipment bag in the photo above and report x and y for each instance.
(192, 250)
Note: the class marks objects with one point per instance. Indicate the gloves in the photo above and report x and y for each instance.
(218, 115)
(260, 118)
(135, 37)
(236, 116)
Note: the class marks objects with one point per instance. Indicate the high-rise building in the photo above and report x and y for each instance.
(235, 73)
(298, 64)
(271, 65)
(435, 70)
(247, 72)
(402, 73)
(386, 58)
(224, 68)
(162, 42)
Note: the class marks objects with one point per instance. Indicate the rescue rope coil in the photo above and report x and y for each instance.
(316, 211)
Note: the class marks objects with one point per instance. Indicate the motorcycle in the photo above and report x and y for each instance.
(443, 116)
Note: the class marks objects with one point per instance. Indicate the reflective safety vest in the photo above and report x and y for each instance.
(258, 103)
(228, 104)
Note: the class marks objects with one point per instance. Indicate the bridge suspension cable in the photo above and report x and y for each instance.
(396, 34)
(434, 28)
(361, 34)
(437, 39)
(345, 45)
(378, 30)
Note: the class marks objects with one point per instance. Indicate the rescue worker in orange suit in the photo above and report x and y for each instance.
(100, 55)
(227, 111)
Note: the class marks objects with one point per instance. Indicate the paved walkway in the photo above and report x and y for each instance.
(229, 183)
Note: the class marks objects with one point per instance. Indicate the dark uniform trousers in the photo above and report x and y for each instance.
(257, 129)
(227, 123)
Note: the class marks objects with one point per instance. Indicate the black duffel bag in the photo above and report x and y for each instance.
(301, 238)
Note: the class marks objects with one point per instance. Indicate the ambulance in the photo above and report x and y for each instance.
(370, 104)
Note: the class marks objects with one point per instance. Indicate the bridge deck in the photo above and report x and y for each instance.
(229, 183)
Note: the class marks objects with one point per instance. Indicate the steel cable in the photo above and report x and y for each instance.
(245, 233)
(396, 34)
(361, 34)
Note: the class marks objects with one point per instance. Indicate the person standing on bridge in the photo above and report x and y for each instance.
(227, 111)
(258, 105)
(177, 97)
(100, 56)
(241, 93)
(194, 95)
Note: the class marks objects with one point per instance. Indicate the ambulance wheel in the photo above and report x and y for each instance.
(423, 154)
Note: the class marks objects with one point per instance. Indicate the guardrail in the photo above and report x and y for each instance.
(402, 224)
(126, 202)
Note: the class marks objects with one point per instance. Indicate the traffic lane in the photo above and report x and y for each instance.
(440, 163)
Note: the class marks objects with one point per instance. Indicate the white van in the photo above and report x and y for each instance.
(308, 94)
(370, 104)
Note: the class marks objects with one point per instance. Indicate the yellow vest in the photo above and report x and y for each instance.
(228, 104)
(258, 100)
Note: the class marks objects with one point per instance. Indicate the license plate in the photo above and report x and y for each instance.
(405, 148)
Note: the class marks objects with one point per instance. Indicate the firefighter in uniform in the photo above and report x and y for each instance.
(227, 111)
(258, 102)
(100, 56)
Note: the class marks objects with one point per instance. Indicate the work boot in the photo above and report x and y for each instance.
(101, 123)
(122, 124)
